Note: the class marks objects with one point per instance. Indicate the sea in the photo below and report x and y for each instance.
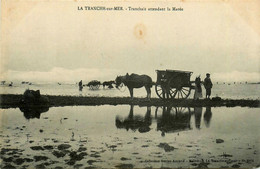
(225, 91)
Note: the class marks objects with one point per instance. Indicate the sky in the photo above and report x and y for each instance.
(55, 42)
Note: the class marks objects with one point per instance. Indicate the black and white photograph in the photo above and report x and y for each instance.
(130, 84)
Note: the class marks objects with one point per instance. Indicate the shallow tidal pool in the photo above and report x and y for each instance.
(130, 137)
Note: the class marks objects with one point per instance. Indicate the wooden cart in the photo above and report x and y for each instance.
(172, 84)
(94, 84)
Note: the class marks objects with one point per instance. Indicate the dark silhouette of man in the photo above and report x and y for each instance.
(80, 85)
(208, 85)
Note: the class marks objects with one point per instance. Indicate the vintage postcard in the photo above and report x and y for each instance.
(130, 84)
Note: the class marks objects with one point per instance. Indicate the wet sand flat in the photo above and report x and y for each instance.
(225, 91)
(131, 137)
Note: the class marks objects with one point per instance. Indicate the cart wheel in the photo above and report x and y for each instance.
(178, 92)
(172, 110)
(182, 116)
(97, 86)
(91, 87)
(181, 110)
(158, 111)
(161, 91)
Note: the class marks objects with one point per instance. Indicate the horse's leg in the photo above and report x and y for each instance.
(148, 90)
(149, 93)
(131, 90)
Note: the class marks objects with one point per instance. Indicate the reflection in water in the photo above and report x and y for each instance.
(168, 118)
(90, 132)
(173, 119)
(135, 122)
(207, 116)
(30, 112)
(197, 113)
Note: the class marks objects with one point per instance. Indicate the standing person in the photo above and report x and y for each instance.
(80, 86)
(208, 85)
(198, 90)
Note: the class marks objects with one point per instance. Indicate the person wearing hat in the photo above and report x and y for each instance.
(208, 85)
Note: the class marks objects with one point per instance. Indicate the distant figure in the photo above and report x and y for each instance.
(208, 85)
(11, 84)
(80, 86)
(198, 90)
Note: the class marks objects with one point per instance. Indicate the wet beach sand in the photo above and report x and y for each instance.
(127, 136)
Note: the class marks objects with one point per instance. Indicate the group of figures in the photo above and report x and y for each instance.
(198, 89)
(95, 84)
(170, 84)
(11, 84)
(4, 82)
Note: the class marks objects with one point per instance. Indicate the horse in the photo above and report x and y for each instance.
(108, 83)
(135, 81)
